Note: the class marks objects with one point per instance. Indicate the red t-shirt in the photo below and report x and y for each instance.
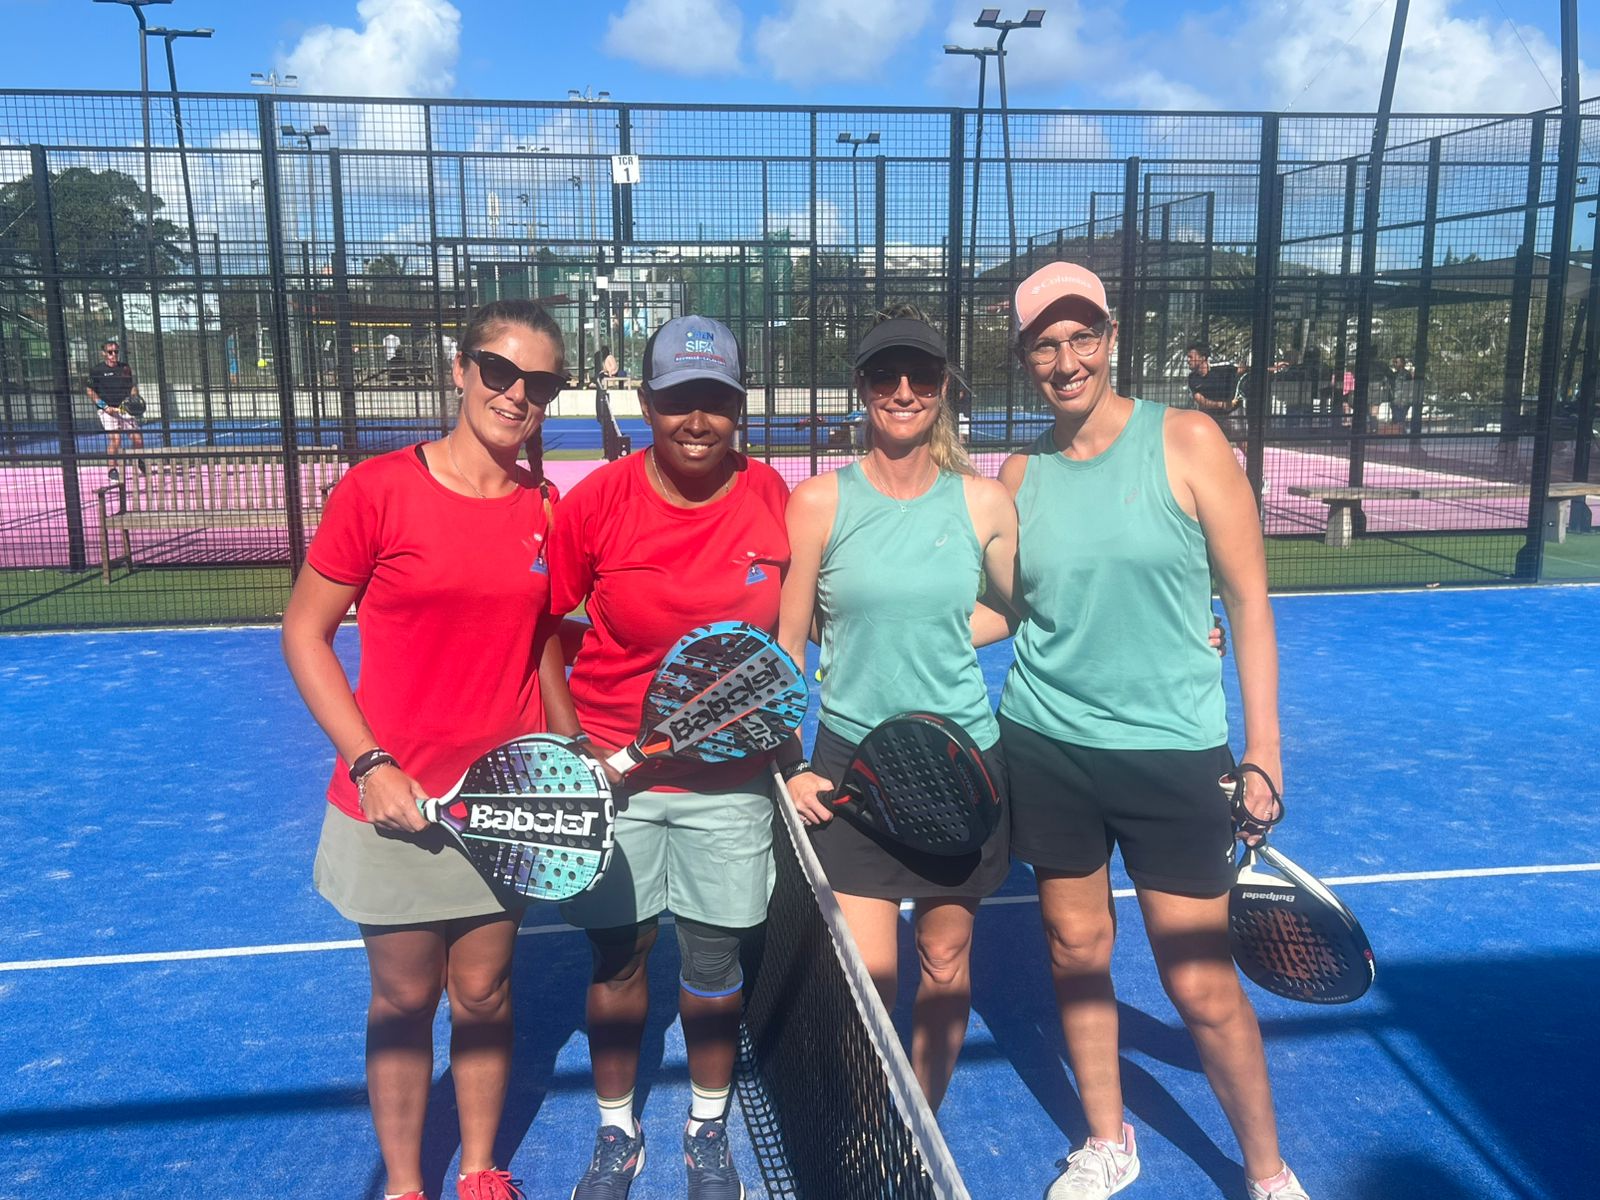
(453, 590)
(651, 572)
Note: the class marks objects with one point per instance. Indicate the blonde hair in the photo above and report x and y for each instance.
(944, 440)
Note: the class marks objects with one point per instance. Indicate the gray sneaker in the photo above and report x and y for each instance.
(617, 1161)
(1098, 1170)
(709, 1162)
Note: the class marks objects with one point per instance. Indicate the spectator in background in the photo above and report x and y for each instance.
(391, 346)
(1401, 374)
(115, 393)
(1215, 390)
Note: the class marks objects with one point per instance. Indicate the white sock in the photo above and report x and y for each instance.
(618, 1112)
(706, 1104)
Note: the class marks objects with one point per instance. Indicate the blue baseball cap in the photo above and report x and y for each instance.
(693, 348)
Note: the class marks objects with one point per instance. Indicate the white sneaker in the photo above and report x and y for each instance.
(1098, 1170)
(1283, 1186)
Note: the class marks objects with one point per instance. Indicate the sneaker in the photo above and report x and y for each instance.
(617, 1161)
(492, 1184)
(709, 1161)
(1283, 1186)
(1098, 1170)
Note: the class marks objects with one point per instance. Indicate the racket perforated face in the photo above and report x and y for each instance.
(920, 779)
(534, 816)
(725, 691)
(1293, 937)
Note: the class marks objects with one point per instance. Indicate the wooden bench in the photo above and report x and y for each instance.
(204, 487)
(1342, 502)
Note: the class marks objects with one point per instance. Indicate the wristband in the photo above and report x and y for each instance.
(370, 761)
(795, 768)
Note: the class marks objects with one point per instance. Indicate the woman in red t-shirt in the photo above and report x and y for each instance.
(441, 547)
(655, 544)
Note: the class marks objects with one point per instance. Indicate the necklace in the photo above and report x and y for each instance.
(450, 449)
(903, 501)
(661, 484)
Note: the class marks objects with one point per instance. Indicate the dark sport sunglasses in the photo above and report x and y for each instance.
(884, 382)
(499, 373)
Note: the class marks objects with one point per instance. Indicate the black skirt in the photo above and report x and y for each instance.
(859, 862)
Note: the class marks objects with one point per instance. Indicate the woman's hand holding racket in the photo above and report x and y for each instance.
(389, 798)
(1258, 805)
(804, 789)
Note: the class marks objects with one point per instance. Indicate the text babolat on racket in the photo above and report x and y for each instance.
(725, 691)
(920, 779)
(1289, 933)
(534, 816)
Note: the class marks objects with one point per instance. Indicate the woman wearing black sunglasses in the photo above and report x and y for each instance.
(889, 556)
(441, 546)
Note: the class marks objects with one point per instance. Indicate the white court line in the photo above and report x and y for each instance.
(160, 956)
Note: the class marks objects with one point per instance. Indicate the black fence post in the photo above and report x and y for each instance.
(953, 255)
(441, 369)
(1269, 218)
(60, 372)
(816, 319)
(880, 216)
(289, 427)
(1422, 348)
(1128, 289)
(1530, 559)
(1516, 374)
(343, 355)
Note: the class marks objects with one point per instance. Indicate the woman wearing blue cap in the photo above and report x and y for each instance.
(890, 554)
(1113, 722)
(655, 544)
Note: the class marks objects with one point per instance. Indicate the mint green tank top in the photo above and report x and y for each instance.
(898, 583)
(1114, 651)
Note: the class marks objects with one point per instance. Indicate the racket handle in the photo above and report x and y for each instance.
(624, 760)
(429, 808)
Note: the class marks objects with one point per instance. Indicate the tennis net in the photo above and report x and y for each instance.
(832, 1106)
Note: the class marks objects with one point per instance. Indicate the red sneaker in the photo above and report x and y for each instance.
(492, 1184)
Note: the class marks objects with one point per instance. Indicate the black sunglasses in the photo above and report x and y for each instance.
(925, 380)
(499, 373)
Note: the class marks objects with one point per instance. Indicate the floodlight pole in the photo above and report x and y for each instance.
(982, 54)
(990, 19)
(168, 36)
(846, 138)
(150, 211)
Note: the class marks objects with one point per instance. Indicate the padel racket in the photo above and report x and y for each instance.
(534, 816)
(725, 691)
(1289, 933)
(920, 780)
(133, 406)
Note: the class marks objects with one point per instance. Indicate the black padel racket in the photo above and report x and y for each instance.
(534, 816)
(920, 780)
(725, 691)
(1293, 936)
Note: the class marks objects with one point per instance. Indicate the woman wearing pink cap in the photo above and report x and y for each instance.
(1113, 722)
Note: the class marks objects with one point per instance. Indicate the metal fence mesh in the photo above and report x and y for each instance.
(292, 279)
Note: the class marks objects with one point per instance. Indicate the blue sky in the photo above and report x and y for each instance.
(1300, 55)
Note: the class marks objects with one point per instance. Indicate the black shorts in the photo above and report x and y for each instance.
(1071, 804)
(859, 862)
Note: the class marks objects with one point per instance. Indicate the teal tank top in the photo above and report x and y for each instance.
(1114, 650)
(897, 587)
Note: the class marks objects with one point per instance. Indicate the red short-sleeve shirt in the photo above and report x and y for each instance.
(453, 611)
(651, 572)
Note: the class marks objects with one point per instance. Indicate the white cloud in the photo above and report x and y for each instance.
(687, 37)
(404, 48)
(812, 40)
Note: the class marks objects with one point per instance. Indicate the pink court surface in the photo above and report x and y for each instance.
(34, 534)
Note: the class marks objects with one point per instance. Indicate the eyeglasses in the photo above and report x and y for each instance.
(499, 373)
(110, 350)
(925, 380)
(1082, 344)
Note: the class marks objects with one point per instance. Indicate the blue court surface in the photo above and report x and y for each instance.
(181, 1014)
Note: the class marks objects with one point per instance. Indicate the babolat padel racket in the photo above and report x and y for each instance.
(920, 780)
(1290, 934)
(725, 691)
(534, 816)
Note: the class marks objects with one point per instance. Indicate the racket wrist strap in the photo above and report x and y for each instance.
(789, 770)
(369, 762)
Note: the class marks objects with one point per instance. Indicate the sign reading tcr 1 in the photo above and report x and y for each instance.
(624, 168)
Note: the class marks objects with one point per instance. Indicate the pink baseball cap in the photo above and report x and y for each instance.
(1052, 283)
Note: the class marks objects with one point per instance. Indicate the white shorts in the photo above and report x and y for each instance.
(114, 420)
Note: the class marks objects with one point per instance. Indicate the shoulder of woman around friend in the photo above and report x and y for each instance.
(1195, 443)
(814, 501)
(1012, 470)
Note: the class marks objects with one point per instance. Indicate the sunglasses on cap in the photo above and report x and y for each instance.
(499, 373)
(925, 379)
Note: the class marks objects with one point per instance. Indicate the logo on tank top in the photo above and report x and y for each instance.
(1133, 494)
(754, 575)
(535, 547)
(941, 540)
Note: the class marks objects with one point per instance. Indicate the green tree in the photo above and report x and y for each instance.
(99, 225)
